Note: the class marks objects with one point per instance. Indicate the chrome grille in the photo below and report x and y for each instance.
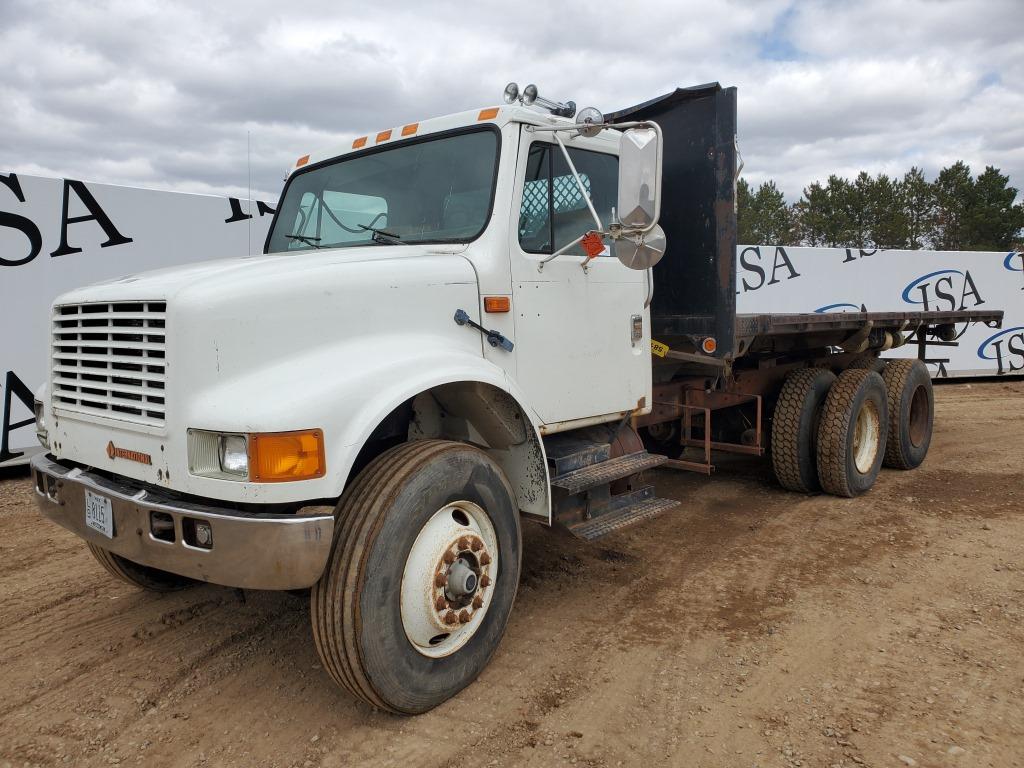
(110, 360)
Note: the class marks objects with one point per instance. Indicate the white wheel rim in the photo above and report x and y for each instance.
(439, 613)
(866, 433)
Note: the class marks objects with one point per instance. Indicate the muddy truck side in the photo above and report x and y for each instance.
(449, 334)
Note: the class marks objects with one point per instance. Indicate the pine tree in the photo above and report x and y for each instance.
(992, 221)
(744, 235)
(954, 196)
(919, 208)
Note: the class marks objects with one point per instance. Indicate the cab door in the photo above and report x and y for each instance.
(582, 332)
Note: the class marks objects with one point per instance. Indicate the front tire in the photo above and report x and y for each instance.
(421, 578)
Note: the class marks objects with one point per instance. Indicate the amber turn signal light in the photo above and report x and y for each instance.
(709, 345)
(496, 304)
(282, 456)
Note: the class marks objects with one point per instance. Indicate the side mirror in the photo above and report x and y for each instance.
(639, 178)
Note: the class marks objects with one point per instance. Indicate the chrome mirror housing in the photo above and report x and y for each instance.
(640, 178)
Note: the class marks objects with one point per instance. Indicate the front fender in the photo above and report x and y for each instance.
(346, 390)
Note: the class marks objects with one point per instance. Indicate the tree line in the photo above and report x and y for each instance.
(955, 212)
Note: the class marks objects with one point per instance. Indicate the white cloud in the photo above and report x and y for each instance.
(163, 94)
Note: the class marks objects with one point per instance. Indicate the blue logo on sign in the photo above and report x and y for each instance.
(944, 289)
(841, 307)
(994, 339)
(924, 281)
(1011, 257)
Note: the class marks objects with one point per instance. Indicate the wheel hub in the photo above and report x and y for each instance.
(448, 579)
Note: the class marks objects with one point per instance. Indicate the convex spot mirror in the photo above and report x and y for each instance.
(641, 250)
(639, 178)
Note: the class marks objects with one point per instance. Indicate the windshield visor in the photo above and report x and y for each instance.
(424, 191)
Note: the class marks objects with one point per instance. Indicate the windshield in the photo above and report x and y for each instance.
(426, 191)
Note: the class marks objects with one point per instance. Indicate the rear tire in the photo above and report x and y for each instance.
(795, 428)
(852, 432)
(141, 576)
(908, 386)
(385, 629)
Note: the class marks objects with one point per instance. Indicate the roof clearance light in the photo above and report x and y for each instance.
(302, 161)
(359, 143)
(383, 136)
(410, 129)
(487, 114)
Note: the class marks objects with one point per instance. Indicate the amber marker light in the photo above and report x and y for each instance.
(276, 457)
(383, 136)
(487, 114)
(496, 304)
(302, 161)
(359, 143)
(410, 129)
(709, 345)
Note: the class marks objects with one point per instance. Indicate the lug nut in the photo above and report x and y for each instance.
(485, 559)
(449, 557)
(464, 542)
(440, 604)
(440, 580)
(477, 545)
(485, 580)
(451, 618)
(464, 616)
(478, 601)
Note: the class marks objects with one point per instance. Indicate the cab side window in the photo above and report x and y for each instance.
(554, 211)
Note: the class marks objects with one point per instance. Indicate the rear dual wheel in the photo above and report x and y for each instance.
(421, 578)
(852, 433)
(911, 413)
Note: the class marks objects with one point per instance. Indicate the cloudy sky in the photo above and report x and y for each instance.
(162, 94)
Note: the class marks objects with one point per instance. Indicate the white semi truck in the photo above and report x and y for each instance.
(456, 325)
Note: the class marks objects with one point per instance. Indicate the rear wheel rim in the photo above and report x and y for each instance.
(448, 580)
(918, 421)
(866, 434)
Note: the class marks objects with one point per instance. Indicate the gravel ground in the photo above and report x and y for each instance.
(751, 627)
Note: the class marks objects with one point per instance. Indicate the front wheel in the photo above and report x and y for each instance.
(421, 578)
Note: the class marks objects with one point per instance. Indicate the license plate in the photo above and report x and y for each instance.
(98, 514)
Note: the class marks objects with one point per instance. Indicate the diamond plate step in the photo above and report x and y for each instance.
(600, 526)
(606, 471)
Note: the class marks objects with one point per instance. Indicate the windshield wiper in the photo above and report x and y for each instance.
(382, 235)
(311, 241)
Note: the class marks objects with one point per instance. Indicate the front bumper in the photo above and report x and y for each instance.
(253, 551)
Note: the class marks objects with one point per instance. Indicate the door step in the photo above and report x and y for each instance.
(606, 471)
(600, 526)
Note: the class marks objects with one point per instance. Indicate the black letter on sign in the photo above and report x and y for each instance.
(15, 386)
(751, 267)
(236, 211)
(237, 214)
(25, 225)
(96, 213)
(782, 258)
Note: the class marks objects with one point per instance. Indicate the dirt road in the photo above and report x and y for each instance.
(752, 627)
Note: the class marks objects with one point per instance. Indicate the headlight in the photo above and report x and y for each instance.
(37, 407)
(269, 457)
(234, 455)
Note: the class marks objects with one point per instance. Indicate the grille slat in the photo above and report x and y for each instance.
(109, 360)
